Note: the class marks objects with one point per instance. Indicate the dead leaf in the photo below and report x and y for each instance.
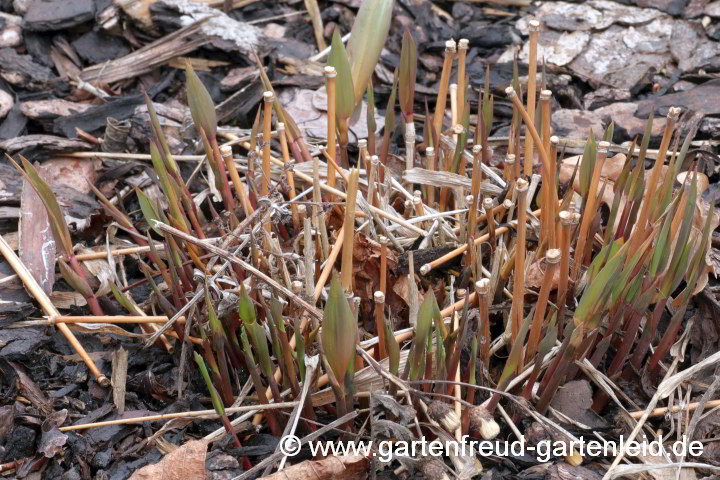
(574, 399)
(665, 473)
(349, 467)
(714, 257)
(53, 440)
(71, 172)
(401, 287)
(37, 243)
(536, 275)
(623, 115)
(403, 413)
(49, 143)
(31, 391)
(565, 471)
(67, 300)
(51, 108)
(366, 265)
(100, 270)
(185, 463)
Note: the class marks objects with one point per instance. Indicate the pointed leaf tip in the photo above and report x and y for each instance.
(408, 73)
(339, 330)
(367, 40)
(344, 89)
(200, 103)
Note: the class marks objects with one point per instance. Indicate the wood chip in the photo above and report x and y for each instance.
(119, 378)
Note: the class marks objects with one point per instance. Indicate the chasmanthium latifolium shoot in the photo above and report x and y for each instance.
(300, 351)
(78, 283)
(393, 349)
(201, 104)
(339, 330)
(408, 75)
(367, 40)
(371, 125)
(344, 96)
(428, 311)
(214, 396)
(339, 60)
(246, 309)
(259, 341)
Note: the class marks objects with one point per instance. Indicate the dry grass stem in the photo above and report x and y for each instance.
(346, 271)
(39, 294)
(518, 306)
(534, 27)
(443, 87)
(462, 49)
(380, 322)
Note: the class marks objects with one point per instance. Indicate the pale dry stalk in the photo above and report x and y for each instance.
(534, 27)
(518, 304)
(443, 87)
(346, 273)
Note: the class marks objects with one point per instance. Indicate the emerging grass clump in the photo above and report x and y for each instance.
(604, 283)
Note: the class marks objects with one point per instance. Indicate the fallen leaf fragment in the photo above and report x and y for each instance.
(350, 467)
(184, 463)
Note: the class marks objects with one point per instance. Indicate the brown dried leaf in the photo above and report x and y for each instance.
(350, 467)
(536, 275)
(37, 243)
(184, 463)
(564, 471)
(574, 399)
(52, 440)
(74, 173)
(67, 300)
(714, 257)
(31, 391)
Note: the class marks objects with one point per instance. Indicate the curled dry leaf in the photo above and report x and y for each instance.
(184, 463)
(350, 467)
(366, 266)
(53, 440)
(100, 270)
(710, 260)
(536, 275)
